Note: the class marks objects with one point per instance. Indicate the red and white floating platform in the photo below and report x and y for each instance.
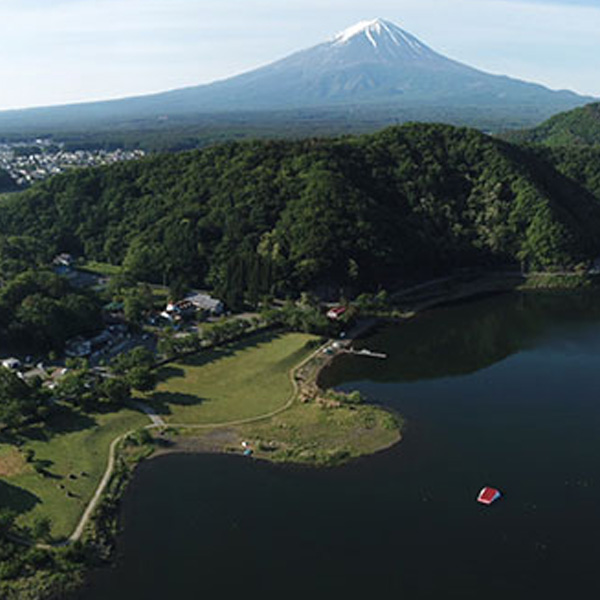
(488, 495)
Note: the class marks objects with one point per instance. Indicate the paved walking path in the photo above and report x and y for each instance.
(156, 419)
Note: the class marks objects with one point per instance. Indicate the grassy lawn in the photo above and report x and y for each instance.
(100, 268)
(242, 381)
(74, 444)
(314, 434)
(308, 433)
(245, 380)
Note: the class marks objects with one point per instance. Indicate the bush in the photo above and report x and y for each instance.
(141, 379)
(140, 438)
(354, 397)
(42, 529)
(10, 569)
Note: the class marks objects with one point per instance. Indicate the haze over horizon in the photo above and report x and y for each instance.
(85, 50)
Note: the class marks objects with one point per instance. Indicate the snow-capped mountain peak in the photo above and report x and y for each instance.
(371, 29)
(372, 64)
(378, 33)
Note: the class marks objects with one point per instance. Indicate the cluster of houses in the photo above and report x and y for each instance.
(50, 376)
(195, 305)
(27, 162)
(80, 347)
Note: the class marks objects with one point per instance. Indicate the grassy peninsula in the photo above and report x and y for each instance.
(263, 393)
(242, 396)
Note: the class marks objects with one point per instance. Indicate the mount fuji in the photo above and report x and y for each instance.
(370, 62)
(373, 65)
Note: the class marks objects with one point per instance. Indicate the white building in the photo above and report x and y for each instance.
(11, 363)
(206, 302)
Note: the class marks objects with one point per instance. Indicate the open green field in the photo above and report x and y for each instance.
(75, 450)
(100, 268)
(315, 434)
(246, 380)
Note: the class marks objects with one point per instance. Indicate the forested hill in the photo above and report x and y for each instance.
(579, 163)
(577, 127)
(260, 217)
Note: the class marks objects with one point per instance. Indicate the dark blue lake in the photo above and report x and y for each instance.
(503, 391)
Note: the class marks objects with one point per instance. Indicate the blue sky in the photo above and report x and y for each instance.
(59, 51)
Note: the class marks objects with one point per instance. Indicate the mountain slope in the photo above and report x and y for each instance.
(579, 127)
(282, 217)
(373, 63)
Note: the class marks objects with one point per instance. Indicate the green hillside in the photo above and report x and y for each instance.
(577, 127)
(579, 163)
(280, 217)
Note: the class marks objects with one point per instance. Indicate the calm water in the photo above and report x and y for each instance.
(503, 392)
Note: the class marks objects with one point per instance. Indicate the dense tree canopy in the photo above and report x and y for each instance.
(40, 311)
(577, 127)
(261, 218)
(20, 402)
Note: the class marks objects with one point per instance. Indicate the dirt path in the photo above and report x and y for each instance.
(76, 535)
(158, 422)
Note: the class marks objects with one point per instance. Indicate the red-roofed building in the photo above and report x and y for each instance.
(336, 312)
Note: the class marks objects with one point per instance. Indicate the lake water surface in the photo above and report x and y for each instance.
(503, 391)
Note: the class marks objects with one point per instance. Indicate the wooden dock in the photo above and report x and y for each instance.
(365, 352)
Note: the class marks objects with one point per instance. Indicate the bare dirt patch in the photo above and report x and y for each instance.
(12, 463)
(206, 441)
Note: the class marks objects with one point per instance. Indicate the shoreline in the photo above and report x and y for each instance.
(493, 283)
(226, 438)
(102, 513)
(459, 291)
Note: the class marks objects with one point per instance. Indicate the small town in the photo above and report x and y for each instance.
(35, 160)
